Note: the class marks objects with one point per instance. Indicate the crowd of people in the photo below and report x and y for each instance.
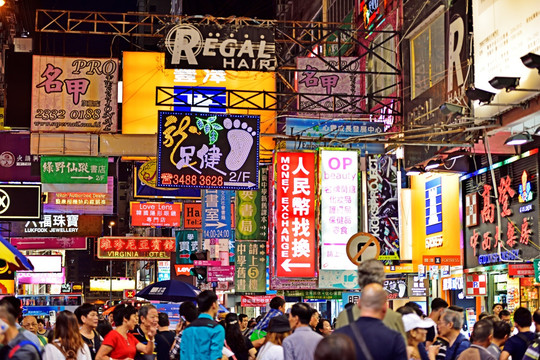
(368, 330)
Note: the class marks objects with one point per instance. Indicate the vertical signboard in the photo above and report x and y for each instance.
(74, 94)
(383, 220)
(433, 206)
(339, 207)
(216, 221)
(295, 226)
(250, 271)
(252, 210)
(207, 150)
(186, 243)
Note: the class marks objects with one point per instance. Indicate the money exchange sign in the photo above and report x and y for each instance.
(74, 94)
(206, 150)
(250, 271)
(295, 225)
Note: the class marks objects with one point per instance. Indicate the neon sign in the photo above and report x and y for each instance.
(373, 11)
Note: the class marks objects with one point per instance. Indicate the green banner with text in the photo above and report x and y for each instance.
(252, 210)
(250, 267)
(74, 170)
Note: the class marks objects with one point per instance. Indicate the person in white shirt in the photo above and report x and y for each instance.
(278, 329)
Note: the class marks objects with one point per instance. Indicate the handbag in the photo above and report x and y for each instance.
(361, 342)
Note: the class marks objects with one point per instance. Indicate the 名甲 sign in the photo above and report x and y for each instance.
(295, 226)
(19, 202)
(74, 94)
(155, 214)
(227, 47)
(206, 150)
(74, 170)
(136, 248)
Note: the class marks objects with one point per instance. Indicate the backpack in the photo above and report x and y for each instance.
(69, 355)
(21, 344)
(525, 339)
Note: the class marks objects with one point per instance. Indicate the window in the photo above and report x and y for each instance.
(427, 57)
(379, 84)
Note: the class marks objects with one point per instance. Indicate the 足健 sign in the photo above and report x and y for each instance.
(74, 94)
(136, 248)
(19, 202)
(155, 214)
(227, 47)
(208, 150)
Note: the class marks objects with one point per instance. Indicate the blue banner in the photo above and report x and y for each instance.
(337, 129)
(216, 221)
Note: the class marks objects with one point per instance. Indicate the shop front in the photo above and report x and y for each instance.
(500, 232)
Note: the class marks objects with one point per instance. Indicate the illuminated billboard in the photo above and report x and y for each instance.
(145, 71)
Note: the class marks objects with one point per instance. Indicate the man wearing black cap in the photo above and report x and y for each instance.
(278, 329)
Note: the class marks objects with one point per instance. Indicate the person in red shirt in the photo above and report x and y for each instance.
(120, 344)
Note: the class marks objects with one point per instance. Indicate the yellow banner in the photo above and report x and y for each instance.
(143, 72)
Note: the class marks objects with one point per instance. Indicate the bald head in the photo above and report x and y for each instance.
(373, 300)
(30, 324)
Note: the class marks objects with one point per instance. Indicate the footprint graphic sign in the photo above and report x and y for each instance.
(208, 150)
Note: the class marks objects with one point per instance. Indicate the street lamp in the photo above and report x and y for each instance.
(111, 224)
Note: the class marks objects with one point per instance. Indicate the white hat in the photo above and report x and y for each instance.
(413, 321)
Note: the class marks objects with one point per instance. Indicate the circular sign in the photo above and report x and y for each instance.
(4, 201)
(7, 159)
(362, 246)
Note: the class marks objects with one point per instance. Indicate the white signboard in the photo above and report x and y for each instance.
(117, 284)
(339, 207)
(504, 31)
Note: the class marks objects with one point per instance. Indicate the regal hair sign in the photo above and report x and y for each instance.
(220, 47)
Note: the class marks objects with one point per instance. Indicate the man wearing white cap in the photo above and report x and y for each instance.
(416, 329)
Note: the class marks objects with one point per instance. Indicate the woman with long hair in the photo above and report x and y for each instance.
(240, 345)
(67, 341)
(120, 343)
(278, 329)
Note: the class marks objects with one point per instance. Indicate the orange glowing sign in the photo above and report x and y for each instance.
(143, 72)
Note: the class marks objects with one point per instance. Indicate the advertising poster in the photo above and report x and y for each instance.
(74, 170)
(136, 248)
(338, 186)
(250, 271)
(74, 94)
(155, 214)
(383, 209)
(145, 184)
(64, 225)
(208, 150)
(252, 210)
(16, 162)
(186, 243)
(295, 226)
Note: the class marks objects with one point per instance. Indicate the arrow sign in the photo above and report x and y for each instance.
(287, 265)
(82, 177)
(248, 184)
(216, 225)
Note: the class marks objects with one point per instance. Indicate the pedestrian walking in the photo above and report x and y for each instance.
(452, 341)
(303, 341)
(482, 335)
(335, 347)
(145, 331)
(88, 319)
(188, 313)
(164, 337)
(203, 339)
(16, 345)
(372, 339)
(517, 345)
(278, 329)
(120, 343)
(67, 343)
(241, 346)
